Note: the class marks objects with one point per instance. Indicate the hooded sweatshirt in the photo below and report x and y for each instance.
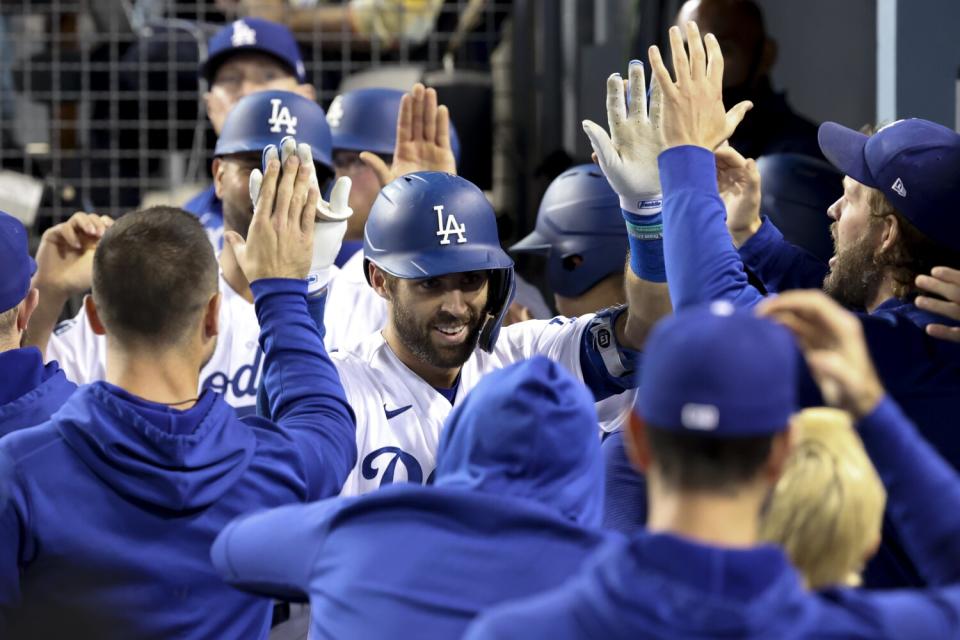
(115, 502)
(515, 510)
(662, 586)
(30, 392)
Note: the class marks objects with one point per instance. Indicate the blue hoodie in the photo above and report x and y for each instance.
(515, 510)
(663, 586)
(921, 372)
(30, 392)
(116, 501)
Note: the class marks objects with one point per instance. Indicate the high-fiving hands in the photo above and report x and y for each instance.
(628, 155)
(423, 138)
(693, 111)
(294, 233)
(945, 282)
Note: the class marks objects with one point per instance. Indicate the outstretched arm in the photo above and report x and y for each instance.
(923, 489)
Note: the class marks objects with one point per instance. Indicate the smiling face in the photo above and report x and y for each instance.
(855, 275)
(438, 320)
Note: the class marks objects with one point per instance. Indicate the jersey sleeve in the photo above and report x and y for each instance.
(560, 339)
(702, 263)
(271, 553)
(779, 265)
(81, 353)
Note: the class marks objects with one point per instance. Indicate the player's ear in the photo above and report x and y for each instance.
(780, 449)
(378, 280)
(308, 91)
(27, 307)
(211, 316)
(93, 316)
(217, 170)
(636, 443)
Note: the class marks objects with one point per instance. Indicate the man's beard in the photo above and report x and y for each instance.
(855, 277)
(237, 218)
(416, 337)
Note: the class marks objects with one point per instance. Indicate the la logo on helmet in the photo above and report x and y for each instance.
(335, 112)
(280, 117)
(243, 35)
(450, 227)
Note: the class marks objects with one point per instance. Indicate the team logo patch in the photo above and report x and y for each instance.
(280, 117)
(448, 227)
(335, 112)
(243, 35)
(899, 189)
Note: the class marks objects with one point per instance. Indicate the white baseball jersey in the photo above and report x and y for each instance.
(400, 416)
(233, 370)
(354, 310)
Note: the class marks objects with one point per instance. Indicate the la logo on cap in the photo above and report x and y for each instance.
(243, 35)
(450, 227)
(899, 189)
(280, 117)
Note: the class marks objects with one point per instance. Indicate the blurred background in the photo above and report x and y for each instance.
(101, 110)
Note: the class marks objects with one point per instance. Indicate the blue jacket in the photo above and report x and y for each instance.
(515, 510)
(209, 209)
(922, 373)
(663, 586)
(116, 501)
(30, 392)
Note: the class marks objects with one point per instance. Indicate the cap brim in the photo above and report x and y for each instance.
(532, 243)
(208, 67)
(843, 148)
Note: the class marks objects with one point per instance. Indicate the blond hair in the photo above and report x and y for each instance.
(827, 508)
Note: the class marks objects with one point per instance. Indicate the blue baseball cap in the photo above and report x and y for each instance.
(915, 163)
(258, 35)
(719, 371)
(16, 265)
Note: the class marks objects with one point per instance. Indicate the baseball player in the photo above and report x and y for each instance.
(890, 226)
(712, 432)
(116, 501)
(29, 390)
(433, 254)
(233, 370)
(580, 232)
(244, 57)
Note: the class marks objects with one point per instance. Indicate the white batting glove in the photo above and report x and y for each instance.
(628, 156)
(331, 216)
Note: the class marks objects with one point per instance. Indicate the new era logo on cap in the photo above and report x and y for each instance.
(898, 188)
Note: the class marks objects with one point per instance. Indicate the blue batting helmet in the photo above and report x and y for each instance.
(267, 117)
(366, 120)
(257, 35)
(429, 224)
(578, 216)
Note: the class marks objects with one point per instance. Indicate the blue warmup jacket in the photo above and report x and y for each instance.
(30, 392)
(920, 372)
(625, 488)
(115, 501)
(515, 510)
(663, 586)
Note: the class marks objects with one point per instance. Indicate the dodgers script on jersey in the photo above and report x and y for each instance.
(233, 370)
(400, 416)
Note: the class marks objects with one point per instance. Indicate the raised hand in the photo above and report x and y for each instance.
(693, 112)
(628, 155)
(739, 181)
(423, 138)
(944, 282)
(65, 256)
(279, 242)
(832, 342)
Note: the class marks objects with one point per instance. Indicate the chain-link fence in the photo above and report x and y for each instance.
(101, 105)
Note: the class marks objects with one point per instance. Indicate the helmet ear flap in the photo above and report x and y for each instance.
(502, 291)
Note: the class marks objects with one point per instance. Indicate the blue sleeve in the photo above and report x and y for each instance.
(302, 388)
(608, 369)
(10, 532)
(923, 492)
(271, 553)
(702, 263)
(779, 265)
(625, 495)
